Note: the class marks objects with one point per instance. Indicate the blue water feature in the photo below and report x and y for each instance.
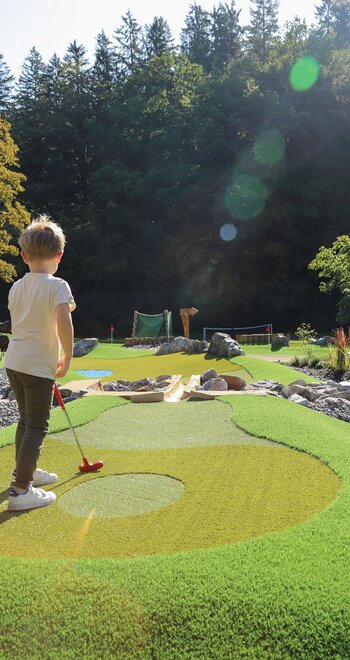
(94, 373)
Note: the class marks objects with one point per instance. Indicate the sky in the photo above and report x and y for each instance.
(51, 25)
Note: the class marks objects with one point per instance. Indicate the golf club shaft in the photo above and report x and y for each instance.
(61, 403)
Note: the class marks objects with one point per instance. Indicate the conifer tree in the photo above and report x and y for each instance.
(129, 43)
(158, 39)
(324, 16)
(226, 33)
(104, 69)
(6, 85)
(13, 215)
(30, 82)
(53, 83)
(263, 26)
(341, 18)
(76, 70)
(195, 36)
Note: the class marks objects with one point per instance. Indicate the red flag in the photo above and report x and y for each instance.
(268, 329)
(112, 328)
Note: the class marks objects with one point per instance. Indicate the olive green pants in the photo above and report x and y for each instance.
(34, 398)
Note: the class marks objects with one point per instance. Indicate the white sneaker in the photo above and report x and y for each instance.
(41, 477)
(32, 498)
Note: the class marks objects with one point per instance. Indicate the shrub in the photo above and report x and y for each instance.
(305, 333)
(313, 361)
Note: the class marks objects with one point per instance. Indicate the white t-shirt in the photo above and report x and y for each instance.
(34, 347)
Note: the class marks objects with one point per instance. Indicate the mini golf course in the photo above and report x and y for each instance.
(216, 529)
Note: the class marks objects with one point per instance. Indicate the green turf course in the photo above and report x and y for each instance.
(294, 348)
(260, 369)
(283, 595)
(163, 426)
(231, 493)
(80, 412)
(121, 496)
(118, 351)
(152, 366)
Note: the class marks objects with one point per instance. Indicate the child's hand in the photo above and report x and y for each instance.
(62, 366)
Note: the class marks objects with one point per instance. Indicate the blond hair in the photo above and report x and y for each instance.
(42, 239)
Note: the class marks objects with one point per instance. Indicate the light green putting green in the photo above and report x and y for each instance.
(161, 426)
(121, 495)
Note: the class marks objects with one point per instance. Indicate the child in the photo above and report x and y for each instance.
(40, 306)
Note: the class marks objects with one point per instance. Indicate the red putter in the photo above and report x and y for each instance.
(86, 466)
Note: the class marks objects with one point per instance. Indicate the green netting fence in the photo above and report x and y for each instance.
(152, 325)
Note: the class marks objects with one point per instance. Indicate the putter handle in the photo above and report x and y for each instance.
(58, 396)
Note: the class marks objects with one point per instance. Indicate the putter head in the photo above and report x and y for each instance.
(86, 466)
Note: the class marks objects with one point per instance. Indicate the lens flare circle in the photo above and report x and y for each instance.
(269, 148)
(228, 232)
(304, 73)
(245, 197)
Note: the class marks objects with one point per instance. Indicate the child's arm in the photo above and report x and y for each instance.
(66, 336)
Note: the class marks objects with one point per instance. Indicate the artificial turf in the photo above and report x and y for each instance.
(231, 493)
(260, 369)
(295, 348)
(153, 365)
(161, 426)
(285, 594)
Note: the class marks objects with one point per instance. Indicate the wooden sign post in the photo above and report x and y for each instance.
(185, 314)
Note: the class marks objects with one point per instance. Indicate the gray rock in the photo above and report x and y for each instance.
(301, 381)
(213, 384)
(286, 392)
(162, 377)
(279, 341)
(85, 346)
(143, 382)
(338, 408)
(266, 385)
(344, 385)
(162, 384)
(223, 345)
(210, 373)
(116, 387)
(300, 400)
(183, 345)
(195, 346)
(322, 341)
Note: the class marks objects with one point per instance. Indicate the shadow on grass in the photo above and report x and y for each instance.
(5, 516)
(217, 358)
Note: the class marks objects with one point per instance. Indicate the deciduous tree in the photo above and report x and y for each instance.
(13, 215)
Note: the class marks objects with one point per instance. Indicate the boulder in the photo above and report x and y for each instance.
(135, 385)
(322, 341)
(234, 382)
(196, 346)
(208, 375)
(183, 345)
(223, 345)
(215, 384)
(116, 387)
(85, 346)
(279, 341)
(300, 400)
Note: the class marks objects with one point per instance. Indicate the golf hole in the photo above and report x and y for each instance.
(120, 496)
